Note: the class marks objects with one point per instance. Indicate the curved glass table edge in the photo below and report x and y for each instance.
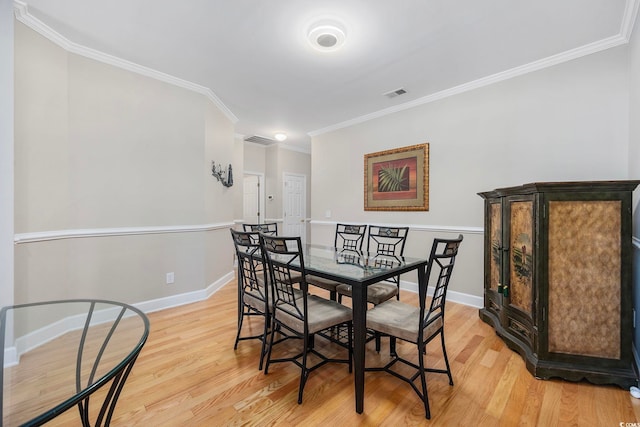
(128, 361)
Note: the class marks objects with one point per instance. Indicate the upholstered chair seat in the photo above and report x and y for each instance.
(400, 320)
(418, 325)
(300, 313)
(376, 293)
(322, 314)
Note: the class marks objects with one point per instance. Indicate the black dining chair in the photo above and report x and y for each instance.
(388, 242)
(349, 237)
(253, 294)
(295, 310)
(270, 228)
(419, 325)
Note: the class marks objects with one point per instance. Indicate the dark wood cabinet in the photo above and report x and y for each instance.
(558, 277)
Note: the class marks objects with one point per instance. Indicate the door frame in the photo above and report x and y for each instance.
(263, 205)
(285, 175)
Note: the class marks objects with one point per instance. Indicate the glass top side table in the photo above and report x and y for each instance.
(56, 354)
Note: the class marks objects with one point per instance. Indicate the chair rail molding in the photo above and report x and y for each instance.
(417, 227)
(41, 236)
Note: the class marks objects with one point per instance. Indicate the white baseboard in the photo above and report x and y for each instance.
(10, 356)
(43, 335)
(186, 298)
(454, 296)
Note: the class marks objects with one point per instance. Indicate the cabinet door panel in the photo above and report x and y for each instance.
(521, 256)
(493, 257)
(496, 245)
(584, 278)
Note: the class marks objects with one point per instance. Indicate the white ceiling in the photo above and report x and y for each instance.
(254, 56)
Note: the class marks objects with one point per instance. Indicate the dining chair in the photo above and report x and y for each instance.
(301, 314)
(419, 325)
(253, 294)
(270, 228)
(387, 242)
(348, 237)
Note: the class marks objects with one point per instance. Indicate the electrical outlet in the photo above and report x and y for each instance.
(170, 278)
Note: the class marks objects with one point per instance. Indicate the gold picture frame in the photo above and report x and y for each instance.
(397, 180)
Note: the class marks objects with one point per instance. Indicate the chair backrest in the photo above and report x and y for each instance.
(252, 273)
(285, 263)
(350, 236)
(439, 269)
(387, 240)
(350, 256)
(270, 228)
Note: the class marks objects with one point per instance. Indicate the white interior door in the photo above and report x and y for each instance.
(251, 200)
(295, 205)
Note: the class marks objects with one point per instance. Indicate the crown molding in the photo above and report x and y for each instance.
(629, 18)
(626, 28)
(291, 147)
(22, 14)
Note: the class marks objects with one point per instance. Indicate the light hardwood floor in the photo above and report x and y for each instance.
(189, 375)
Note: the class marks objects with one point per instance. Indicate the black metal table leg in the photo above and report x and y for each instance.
(359, 302)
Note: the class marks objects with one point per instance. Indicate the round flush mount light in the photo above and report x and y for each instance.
(326, 36)
(280, 136)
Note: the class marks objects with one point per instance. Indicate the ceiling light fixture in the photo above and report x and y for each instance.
(280, 136)
(326, 36)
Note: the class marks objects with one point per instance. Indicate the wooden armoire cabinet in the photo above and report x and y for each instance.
(558, 277)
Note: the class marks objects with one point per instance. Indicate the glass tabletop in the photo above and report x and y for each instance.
(355, 266)
(55, 354)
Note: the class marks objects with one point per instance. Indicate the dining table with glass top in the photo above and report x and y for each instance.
(61, 354)
(359, 269)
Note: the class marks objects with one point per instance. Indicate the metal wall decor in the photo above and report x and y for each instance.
(225, 176)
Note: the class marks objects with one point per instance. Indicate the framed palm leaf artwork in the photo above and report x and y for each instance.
(397, 180)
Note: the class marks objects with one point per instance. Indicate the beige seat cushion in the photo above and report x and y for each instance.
(255, 300)
(323, 283)
(323, 313)
(376, 293)
(400, 320)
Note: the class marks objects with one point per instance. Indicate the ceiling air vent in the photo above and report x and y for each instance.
(394, 93)
(262, 140)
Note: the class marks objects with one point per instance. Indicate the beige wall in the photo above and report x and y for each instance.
(634, 167)
(567, 122)
(6, 154)
(634, 121)
(102, 148)
(274, 161)
(254, 158)
(238, 168)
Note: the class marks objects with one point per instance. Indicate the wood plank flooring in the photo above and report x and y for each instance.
(189, 375)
